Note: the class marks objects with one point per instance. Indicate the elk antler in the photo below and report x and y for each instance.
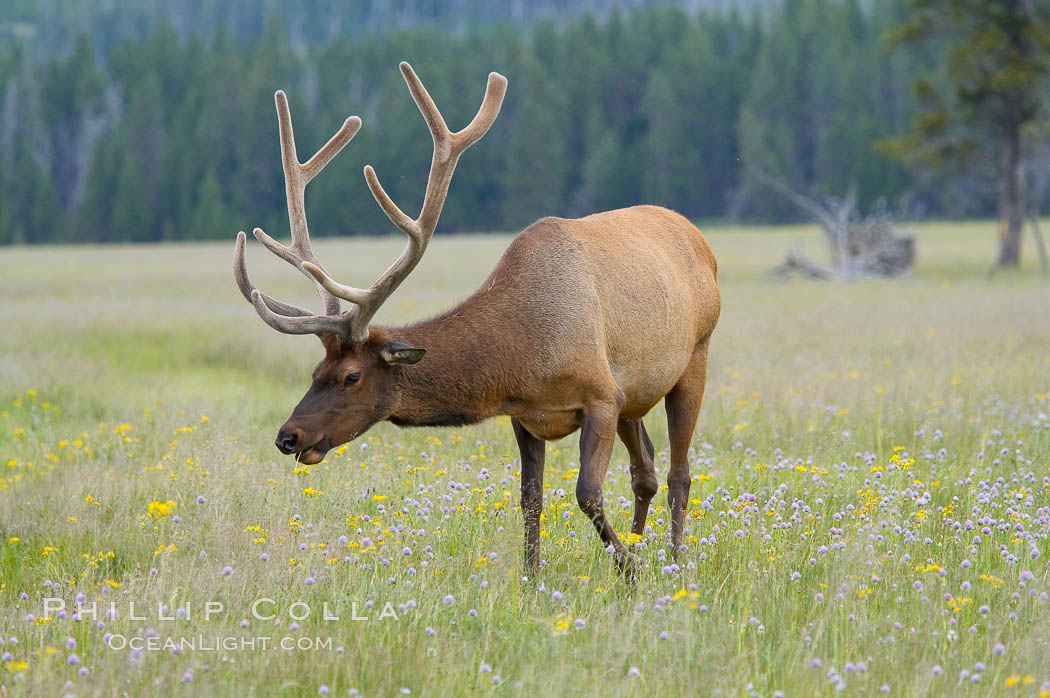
(448, 147)
(284, 317)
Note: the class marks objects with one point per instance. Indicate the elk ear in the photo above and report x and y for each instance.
(401, 353)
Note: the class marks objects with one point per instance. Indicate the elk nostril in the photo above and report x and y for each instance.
(287, 442)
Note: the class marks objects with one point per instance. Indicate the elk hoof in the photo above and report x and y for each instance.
(629, 564)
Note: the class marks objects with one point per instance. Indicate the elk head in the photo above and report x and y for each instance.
(357, 383)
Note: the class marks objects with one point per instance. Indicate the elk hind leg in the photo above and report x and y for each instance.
(596, 443)
(683, 408)
(643, 470)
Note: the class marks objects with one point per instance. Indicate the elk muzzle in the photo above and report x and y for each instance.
(288, 440)
(293, 440)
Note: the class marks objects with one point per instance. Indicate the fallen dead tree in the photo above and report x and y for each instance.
(861, 246)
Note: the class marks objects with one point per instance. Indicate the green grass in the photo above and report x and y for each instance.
(134, 375)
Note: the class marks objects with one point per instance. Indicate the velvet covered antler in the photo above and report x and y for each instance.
(448, 147)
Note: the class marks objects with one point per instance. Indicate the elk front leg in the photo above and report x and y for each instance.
(533, 454)
(596, 443)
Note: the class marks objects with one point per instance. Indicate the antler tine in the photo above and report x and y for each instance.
(395, 214)
(282, 316)
(244, 283)
(495, 90)
(312, 167)
(448, 147)
(296, 177)
(308, 324)
(423, 100)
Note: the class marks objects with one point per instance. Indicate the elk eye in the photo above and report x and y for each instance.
(352, 378)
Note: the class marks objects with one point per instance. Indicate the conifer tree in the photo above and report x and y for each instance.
(997, 67)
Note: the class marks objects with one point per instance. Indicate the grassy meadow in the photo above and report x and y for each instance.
(870, 499)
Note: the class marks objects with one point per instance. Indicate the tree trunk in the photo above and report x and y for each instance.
(1011, 198)
(1040, 246)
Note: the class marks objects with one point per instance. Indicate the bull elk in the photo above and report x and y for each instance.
(583, 324)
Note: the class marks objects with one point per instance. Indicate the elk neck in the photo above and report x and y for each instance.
(462, 379)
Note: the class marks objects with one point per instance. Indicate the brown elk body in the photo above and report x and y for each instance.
(583, 324)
